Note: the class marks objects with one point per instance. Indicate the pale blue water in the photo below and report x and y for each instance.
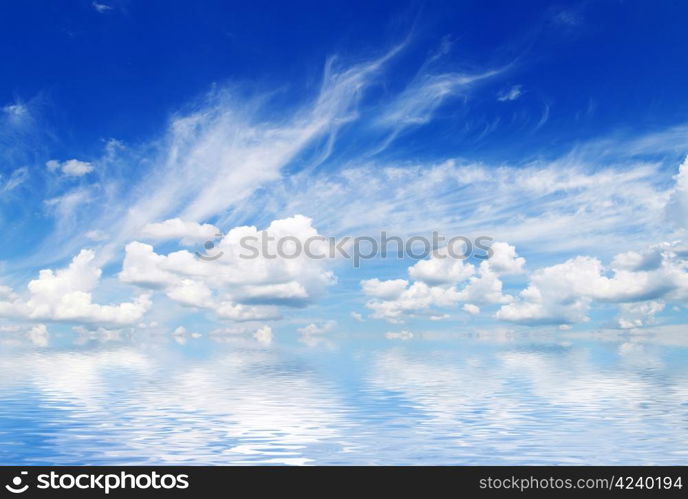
(349, 399)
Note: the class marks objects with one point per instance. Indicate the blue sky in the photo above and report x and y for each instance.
(132, 132)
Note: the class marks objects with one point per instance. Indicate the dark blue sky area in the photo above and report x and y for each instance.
(585, 68)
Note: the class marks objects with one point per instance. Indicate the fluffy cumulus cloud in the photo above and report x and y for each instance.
(442, 282)
(177, 229)
(246, 276)
(639, 282)
(439, 271)
(65, 295)
(484, 288)
(504, 259)
(418, 299)
(564, 293)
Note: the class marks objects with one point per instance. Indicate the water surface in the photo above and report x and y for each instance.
(463, 398)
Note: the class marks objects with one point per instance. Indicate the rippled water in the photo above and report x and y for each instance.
(436, 399)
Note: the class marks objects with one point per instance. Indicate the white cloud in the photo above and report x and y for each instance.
(504, 259)
(443, 282)
(65, 295)
(313, 328)
(441, 269)
(190, 292)
(384, 289)
(97, 235)
(417, 298)
(244, 313)
(185, 231)
(101, 8)
(357, 317)
(38, 335)
(399, 335)
(71, 167)
(264, 335)
(557, 294)
(66, 206)
(677, 208)
(471, 309)
(417, 104)
(638, 315)
(76, 168)
(510, 94)
(563, 293)
(16, 178)
(16, 110)
(236, 288)
(484, 288)
(563, 206)
(17, 115)
(426, 93)
(634, 261)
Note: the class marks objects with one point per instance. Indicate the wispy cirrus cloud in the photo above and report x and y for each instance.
(101, 8)
(14, 180)
(510, 94)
